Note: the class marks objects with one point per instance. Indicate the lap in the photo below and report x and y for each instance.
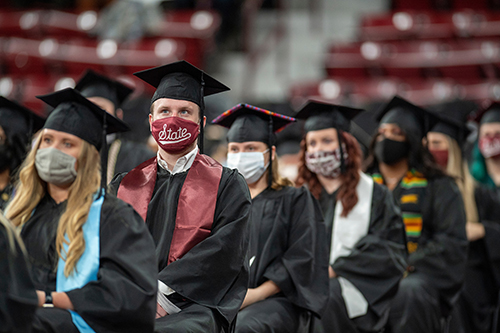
(193, 318)
(53, 320)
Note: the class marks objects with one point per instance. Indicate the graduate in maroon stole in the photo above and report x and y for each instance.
(195, 209)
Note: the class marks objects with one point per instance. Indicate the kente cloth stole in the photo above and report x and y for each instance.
(88, 264)
(412, 192)
(196, 205)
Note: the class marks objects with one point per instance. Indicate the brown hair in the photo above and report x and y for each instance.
(278, 182)
(350, 178)
(31, 189)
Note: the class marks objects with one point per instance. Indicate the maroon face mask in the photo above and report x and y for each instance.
(490, 146)
(441, 157)
(174, 134)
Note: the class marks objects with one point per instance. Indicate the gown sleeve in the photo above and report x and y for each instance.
(123, 299)
(378, 261)
(18, 299)
(214, 273)
(441, 257)
(302, 272)
(488, 203)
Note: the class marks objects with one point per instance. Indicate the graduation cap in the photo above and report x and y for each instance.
(93, 84)
(490, 114)
(74, 114)
(250, 123)
(412, 119)
(18, 121)
(321, 115)
(452, 118)
(183, 81)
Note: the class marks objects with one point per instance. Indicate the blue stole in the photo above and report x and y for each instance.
(88, 264)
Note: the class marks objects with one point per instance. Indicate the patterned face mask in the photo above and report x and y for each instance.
(325, 163)
(490, 146)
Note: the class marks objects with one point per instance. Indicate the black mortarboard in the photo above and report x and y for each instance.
(93, 84)
(74, 114)
(412, 119)
(77, 115)
(250, 123)
(453, 119)
(183, 81)
(18, 121)
(490, 114)
(320, 115)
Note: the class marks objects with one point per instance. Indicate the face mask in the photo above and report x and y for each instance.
(325, 163)
(390, 151)
(250, 165)
(441, 157)
(174, 134)
(55, 167)
(490, 146)
(5, 157)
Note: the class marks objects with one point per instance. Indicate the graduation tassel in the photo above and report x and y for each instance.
(270, 170)
(202, 115)
(342, 162)
(104, 157)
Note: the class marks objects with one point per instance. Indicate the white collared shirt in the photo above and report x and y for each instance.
(183, 163)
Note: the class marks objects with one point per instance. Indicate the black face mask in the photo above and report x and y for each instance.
(390, 151)
(5, 157)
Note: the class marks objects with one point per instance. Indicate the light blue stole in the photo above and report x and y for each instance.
(88, 264)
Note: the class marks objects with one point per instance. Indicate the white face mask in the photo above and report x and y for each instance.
(250, 165)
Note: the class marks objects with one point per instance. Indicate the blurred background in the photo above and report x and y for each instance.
(274, 54)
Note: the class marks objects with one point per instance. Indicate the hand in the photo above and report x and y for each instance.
(41, 297)
(251, 297)
(160, 312)
(331, 272)
(474, 231)
(260, 293)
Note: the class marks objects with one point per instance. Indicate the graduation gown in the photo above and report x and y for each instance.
(5, 195)
(212, 274)
(130, 155)
(123, 299)
(18, 299)
(287, 237)
(480, 295)
(437, 265)
(374, 267)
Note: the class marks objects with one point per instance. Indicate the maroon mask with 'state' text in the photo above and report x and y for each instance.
(174, 134)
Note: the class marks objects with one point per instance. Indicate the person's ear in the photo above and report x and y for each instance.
(204, 121)
(150, 123)
(273, 155)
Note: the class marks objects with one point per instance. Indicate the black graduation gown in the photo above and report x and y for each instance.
(287, 237)
(123, 299)
(374, 267)
(5, 195)
(436, 269)
(213, 273)
(130, 155)
(479, 297)
(18, 299)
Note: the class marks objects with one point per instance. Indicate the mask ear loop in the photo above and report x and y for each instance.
(270, 170)
(202, 115)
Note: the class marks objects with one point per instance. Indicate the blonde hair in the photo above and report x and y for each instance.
(457, 168)
(31, 189)
(278, 182)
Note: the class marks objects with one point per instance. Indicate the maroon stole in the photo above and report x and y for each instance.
(196, 205)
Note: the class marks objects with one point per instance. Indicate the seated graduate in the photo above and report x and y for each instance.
(365, 232)
(18, 299)
(124, 155)
(485, 159)
(433, 213)
(91, 255)
(479, 297)
(287, 259)
(195, 209)
(17, 125)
